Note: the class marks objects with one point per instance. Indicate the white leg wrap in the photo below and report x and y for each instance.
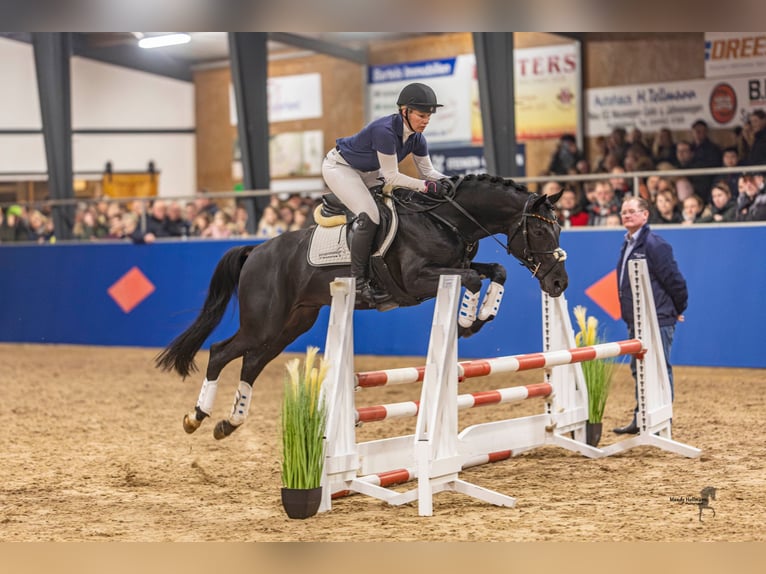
(207, 396)
(468, 305)
(241, 404)
(491, 304)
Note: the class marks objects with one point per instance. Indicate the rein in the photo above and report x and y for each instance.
(527, 260)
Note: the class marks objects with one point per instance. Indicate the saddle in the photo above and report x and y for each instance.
(330, 239)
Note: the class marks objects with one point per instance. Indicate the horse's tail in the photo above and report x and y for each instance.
(179, 355)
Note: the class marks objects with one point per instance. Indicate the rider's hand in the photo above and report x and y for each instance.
(439, 188)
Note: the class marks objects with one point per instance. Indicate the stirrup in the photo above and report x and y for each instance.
(369, 294)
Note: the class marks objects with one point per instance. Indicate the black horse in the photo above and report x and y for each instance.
(280, 293)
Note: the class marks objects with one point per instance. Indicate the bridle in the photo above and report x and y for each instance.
(527, 259)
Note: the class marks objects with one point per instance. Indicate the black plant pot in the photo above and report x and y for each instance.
(593, 433)
(301, 502)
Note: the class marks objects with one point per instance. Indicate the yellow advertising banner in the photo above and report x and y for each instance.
(547, 91)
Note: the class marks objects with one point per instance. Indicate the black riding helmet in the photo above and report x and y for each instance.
(418, 97)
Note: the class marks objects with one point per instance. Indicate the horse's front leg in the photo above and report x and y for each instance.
(472, 317)
(426, 283)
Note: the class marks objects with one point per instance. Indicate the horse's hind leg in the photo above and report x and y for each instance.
(300, 321)
(221, 354)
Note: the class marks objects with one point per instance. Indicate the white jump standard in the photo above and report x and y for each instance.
(437, 452)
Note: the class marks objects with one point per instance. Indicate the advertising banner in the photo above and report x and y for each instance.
(735, 54)
(289, 98)
(675, 105)
(547, 91)
(453, 80)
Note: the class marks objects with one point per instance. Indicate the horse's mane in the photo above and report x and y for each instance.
(491, 179)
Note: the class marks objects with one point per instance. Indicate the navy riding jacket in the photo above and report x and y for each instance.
(383, 135)
(668, 284)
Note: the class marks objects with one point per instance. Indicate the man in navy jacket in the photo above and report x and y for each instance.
(668, 284)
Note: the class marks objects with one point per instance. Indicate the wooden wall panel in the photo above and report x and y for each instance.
(342, 102)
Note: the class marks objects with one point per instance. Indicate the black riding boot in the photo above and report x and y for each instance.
(362, 239)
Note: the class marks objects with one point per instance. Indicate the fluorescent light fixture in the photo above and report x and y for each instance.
(164, 40)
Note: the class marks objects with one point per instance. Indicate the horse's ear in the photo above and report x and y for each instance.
(554, 199)
(539, 202)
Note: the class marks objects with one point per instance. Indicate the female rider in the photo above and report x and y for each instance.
(358, 162)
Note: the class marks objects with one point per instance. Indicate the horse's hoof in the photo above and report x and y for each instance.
(223, 429)
(191, 424)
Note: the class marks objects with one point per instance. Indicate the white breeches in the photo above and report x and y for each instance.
(350, 185)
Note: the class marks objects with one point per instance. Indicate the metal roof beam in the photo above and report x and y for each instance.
(320, 46)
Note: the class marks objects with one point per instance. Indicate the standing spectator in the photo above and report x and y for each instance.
(664, 148)
(636, 141)
(668, 286)
(723, 207)
(757, 155)
(565, 157)
(617, 145)
(730, 159)
(751, 203)
(602, 150)
(701, 183)
(684, 154)
(570, 211)
(705, 152)
(605, 203)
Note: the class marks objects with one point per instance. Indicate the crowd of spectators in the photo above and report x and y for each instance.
(145, 221)
(674, 199)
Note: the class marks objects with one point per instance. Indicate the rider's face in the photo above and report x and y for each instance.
(418, 120)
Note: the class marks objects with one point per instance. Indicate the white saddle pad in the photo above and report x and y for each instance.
(329, 247)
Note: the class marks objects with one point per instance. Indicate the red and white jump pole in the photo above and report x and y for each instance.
(509, 364)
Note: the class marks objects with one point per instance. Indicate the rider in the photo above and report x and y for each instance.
(358, 162)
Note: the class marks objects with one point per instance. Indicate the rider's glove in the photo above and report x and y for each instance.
(439, 188)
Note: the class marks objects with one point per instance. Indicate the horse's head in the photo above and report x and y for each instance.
(534, 240)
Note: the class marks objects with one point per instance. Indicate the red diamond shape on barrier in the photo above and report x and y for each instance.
(604, 293)
(131, 289)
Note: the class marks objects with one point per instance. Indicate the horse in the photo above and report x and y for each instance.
(280, 294)
(704, 501)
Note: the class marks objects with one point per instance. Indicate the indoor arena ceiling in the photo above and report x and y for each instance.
(212, 48)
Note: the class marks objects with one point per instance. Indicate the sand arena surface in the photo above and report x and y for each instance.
(94, 450)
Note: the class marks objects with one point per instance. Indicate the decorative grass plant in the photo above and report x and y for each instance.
(598, 373)
(304, 415)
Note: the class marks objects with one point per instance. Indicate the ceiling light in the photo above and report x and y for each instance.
(165, 40)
